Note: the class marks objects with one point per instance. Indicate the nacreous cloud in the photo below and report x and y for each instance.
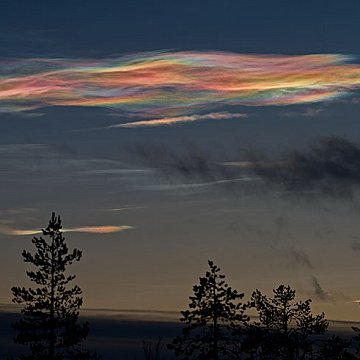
(106, 229)
(180, 119)
(173, 84)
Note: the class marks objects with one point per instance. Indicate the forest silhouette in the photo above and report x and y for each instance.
(218, 324)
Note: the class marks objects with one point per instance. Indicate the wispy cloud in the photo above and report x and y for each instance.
(258, 164)
(299, 258)
(188, 166)
(319, 292)
(19, 211)
(309, 112)
(124, 208)
(186, 186)
(355, 245)
(102, 229)
(120, 172)
(22, 148)
(327, 167)
(172, 84)
(179, 119)
(331, 166)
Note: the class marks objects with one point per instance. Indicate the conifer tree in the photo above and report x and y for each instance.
(214, 312)
(336, 348)
(49, 325)
(286, 329)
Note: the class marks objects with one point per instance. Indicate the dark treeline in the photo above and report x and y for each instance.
(217, 326)
(217, 323)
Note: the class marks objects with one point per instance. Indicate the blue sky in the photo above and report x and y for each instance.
(66, 159)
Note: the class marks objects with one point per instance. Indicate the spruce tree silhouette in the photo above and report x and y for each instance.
(49, 325)
(335, 348)
(215, 311)
(285, 330)
(152, 348)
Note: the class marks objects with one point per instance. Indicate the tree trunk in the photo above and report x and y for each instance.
(52, 305)
(215, 329)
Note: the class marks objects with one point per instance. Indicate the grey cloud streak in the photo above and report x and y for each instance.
(319, 292)
(299, 258)
(191, 167)
(328, 167)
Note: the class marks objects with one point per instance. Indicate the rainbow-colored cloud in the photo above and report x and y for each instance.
(172, 84)
(101, 229)
(179, 119)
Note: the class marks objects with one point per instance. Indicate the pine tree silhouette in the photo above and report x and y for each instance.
(215, 311)
(152, 348)
(49, 325)
(285, 329)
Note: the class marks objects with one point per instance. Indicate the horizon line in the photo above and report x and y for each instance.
(151, 311)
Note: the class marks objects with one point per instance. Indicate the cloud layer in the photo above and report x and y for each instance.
(330, 167)
(170, 84)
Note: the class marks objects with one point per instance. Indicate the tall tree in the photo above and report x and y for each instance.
(49, 325)
(286, 328)
(152, 348)
(214, 312)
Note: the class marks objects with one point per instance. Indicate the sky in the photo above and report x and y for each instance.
(167, 133)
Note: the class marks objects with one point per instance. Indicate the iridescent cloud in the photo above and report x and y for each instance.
(180, 119)
(173, 84)
(106, 229)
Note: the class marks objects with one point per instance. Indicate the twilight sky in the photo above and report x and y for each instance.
(167, 133)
